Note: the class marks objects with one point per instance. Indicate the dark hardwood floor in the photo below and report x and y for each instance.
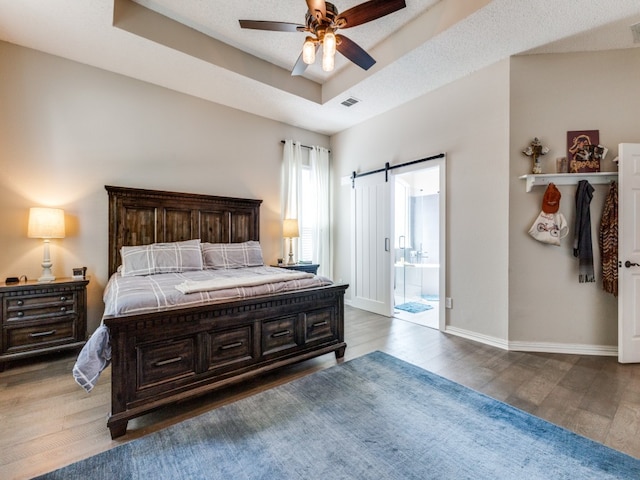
(48, 421)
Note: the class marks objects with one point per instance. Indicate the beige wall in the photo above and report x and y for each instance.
(550, 95)
(468, 120)
(507, 289)
(67, 129)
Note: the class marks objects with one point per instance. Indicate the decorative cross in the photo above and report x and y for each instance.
(536, 150)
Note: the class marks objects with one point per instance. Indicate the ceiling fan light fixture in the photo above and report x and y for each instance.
(309, 51)
(328, 62)
(322, 20)
(329, 43)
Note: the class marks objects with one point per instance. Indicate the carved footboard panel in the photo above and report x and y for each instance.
(163, 358)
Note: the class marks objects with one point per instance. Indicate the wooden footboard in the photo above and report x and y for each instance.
(167, 357)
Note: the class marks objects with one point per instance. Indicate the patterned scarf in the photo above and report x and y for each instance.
(582, 246)
(609, 241)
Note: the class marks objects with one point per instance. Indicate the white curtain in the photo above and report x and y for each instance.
(319, 162)
(291, 188)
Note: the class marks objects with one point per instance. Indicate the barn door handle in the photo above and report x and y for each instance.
(630, 264)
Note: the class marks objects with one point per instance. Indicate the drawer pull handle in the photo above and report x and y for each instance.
(63, 299)
(20, 314)
(63, 309)
(167, 362)
(319, 324)
(280, 334)
(231, 345)
(42, 334)
(20, 303)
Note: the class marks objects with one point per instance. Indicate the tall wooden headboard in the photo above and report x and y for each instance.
(140, 217)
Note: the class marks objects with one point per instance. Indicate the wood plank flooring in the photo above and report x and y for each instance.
(48, 421)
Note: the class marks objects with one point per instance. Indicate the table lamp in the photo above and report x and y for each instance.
(290, 231)
(46, 223)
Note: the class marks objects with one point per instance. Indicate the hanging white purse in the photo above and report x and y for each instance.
(549, 228)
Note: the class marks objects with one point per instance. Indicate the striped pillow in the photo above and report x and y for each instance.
(232, 255)
(173, 257)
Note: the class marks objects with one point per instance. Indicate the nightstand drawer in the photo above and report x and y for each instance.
(25, 308)
(38, 336)
(66, 298)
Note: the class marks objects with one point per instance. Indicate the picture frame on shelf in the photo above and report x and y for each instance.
(584, 151)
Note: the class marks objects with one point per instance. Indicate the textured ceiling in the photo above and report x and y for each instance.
(197, 47)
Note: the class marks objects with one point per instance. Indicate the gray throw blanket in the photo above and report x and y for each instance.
(582, 246)
(94, 357)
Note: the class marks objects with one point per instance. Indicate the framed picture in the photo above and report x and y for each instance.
(584, 151)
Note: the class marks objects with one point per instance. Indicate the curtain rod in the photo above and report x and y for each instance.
(304, 146)
(387, 167)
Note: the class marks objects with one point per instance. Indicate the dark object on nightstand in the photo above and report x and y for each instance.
(12, 280)
(302, 267)
(40, 318)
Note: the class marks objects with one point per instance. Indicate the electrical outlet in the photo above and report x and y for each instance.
(448, 302)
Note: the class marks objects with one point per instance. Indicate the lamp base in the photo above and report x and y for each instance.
(46, 279)
(46, 276)
(291, 261)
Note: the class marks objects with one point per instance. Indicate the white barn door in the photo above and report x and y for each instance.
(629, 253)
(371, 246)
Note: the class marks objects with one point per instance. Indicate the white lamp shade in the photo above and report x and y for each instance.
(290, 228)
(46, 223)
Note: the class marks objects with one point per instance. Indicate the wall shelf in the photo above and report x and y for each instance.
(543, 179)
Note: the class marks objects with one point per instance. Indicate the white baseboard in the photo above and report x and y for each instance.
(542, 347)
(568, 348)
(478, 337)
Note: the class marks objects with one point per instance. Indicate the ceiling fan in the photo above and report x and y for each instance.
(322, 20)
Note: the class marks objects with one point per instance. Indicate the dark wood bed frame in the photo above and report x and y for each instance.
(162, 358)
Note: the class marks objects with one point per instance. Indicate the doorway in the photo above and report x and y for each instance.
(416, 246)
(381, 249)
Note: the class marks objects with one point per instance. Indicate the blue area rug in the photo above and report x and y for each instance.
(375, 417)
(413, 307)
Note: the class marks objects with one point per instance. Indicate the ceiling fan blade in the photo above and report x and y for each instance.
(367, 11)
(354, 52)
(273, 26)
(299, 68)
(318, 8)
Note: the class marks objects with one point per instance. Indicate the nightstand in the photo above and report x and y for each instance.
(302, 267)
(39, 318)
